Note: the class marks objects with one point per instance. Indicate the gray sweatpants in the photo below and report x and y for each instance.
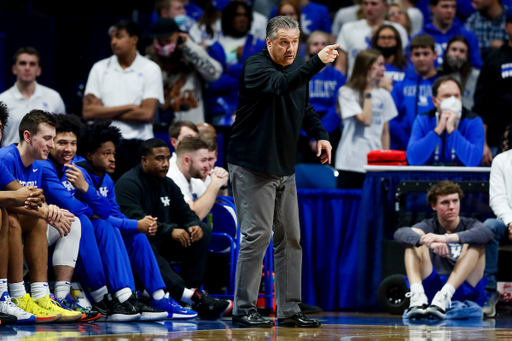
(265, 201)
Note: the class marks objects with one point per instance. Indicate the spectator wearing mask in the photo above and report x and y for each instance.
(366, 110)
(185, 66)
(413, 95)
(443, 28)
(315, 17)
(488, 23)
(323, 94)
(125, 88)
(232, 49)
(357, 35)
(175, 9)
(493, 94)
(27, 94)
(387, 40)
(449, 134)
(456, 63)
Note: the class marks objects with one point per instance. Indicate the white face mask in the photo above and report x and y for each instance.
(451, 104)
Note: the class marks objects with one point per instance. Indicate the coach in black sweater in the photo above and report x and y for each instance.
(273, 106)
(146, 190)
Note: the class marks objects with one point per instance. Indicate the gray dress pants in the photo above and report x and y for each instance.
(265, 201)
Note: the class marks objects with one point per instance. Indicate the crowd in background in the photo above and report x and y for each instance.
(197, 54)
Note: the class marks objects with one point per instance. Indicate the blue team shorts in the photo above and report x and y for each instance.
(434, 283)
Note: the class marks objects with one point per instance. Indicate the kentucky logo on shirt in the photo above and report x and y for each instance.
(506, 70)
(104, 191)
(27, 183)
(68, 185)
(165, 201)
(320, 88)
(455, 250)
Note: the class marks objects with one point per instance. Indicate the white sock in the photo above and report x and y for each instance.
(158, 295)
(187, 296)
(97, 295)
(448, 289)
(3, 285)
(17, 290)
(417, 288)
(38, 290)
(62, 289)
(123, 295)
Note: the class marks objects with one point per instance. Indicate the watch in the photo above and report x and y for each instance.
(367, 95)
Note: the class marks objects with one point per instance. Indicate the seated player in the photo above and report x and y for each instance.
(23, 197)
(51, 224)
(146, 190)
(449, 133)
(188, 172)
(68, 185)
(445, 256)
(97, 145)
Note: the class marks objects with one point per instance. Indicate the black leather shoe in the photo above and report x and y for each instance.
(252, 320)
(298, 320)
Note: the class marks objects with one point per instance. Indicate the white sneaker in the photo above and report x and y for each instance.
(418, 305)
(7, 307)
(440, 303)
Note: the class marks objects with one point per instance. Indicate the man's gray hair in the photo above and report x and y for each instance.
(281, 22)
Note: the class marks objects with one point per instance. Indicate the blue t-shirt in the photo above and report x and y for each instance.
(5, 176)
(395, 73)
(314, 17)
(26, 176)
(323, 89)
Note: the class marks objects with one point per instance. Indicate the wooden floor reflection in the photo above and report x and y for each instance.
(335, 326)
(327, 332)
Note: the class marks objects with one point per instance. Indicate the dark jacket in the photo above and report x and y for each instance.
(139, 194)
(273, 106)
(493, 94)
(464, 146)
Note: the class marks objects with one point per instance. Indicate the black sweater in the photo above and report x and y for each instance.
(139, 194)
(273, 106)
(493, 93)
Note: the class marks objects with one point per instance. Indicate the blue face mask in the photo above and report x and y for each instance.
(180, 19)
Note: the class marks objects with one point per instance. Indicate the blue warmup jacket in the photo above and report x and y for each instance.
(463, 147)
(442, 41)
(412, 96)
(105, 186)
(26, 176)
(60, 192)
(139, 253)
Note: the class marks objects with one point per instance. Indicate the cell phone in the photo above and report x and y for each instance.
(180, 41)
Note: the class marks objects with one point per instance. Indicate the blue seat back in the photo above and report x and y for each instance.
(315, 176)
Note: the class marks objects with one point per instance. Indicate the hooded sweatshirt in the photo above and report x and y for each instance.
(443, 38)
(463, 147)
(412, 96)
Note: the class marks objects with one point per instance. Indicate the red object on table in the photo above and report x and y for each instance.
(387, 158)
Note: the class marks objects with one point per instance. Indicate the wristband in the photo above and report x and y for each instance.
(447, 238)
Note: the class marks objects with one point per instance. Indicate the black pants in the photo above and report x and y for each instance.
(192, 258)
(127, 157)
(350, 180)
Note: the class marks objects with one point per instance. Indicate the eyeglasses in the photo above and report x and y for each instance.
(390, 38)
(392, 14)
